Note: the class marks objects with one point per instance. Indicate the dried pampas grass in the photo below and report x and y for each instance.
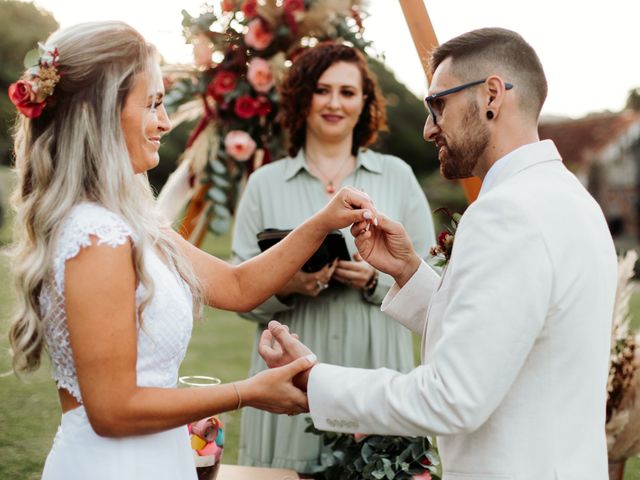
(623, 388)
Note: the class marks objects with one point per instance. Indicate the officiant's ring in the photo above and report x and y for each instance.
(321, 286)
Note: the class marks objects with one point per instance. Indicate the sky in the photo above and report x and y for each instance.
(589, 48)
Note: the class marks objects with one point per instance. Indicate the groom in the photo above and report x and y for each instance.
(516, 332)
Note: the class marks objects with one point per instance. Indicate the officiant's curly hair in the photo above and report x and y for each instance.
(76, 152)
(300, 83)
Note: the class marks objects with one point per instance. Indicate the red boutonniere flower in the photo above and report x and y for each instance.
(445, 238)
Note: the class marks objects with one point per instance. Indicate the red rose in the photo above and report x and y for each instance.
(293, 6)
(22, 96)
(290, 16)
(263, 106)
(246, 107)
(249, 8)
(223, 83)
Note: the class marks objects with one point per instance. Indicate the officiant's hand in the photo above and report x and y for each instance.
(309, 284)
(387, 247)
(279, 347)
(355, 274)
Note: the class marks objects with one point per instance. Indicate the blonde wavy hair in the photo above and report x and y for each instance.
(76, 152)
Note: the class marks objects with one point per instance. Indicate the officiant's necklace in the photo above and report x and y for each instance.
(329, 180)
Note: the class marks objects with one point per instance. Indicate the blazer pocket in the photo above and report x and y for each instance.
(475, 476)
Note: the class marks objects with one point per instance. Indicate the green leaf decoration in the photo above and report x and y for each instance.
(217, 195)
(32, 58)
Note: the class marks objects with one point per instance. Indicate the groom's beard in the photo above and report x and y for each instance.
(458, 158)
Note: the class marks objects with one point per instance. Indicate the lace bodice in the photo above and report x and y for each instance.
(166, 320)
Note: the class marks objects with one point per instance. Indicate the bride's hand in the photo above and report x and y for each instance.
(273, 390)
(347, 207)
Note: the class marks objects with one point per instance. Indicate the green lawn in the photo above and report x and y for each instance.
(220, 346)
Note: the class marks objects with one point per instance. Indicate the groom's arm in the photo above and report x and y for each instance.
(409, 305)
(495, 307)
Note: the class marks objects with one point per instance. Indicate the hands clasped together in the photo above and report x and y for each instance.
(382, 245)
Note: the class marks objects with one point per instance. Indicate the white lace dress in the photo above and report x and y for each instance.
(78, 452)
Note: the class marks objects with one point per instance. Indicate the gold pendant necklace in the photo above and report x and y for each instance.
(330, 187)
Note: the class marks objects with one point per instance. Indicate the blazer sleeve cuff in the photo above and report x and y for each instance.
(321, 399)
(408, 305)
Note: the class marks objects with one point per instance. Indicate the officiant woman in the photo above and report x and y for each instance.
(333, 110)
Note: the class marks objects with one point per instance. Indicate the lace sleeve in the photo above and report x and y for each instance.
(84, 221)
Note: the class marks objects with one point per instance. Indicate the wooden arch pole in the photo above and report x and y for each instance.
(424, 39)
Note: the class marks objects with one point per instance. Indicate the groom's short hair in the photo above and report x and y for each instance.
(496, 51)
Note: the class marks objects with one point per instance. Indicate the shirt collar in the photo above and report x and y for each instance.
(519, 159)
(366, 159)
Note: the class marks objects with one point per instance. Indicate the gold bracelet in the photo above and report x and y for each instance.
(235, 387)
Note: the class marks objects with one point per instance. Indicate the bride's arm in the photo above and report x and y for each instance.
(100, 303)
(243, 287)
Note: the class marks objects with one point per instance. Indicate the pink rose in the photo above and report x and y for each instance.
(423, 476)
(239, 145)
(245, 107)
(259, 36)
(23, 96)
(259, 75)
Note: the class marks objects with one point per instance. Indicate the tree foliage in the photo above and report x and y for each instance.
(23, 25)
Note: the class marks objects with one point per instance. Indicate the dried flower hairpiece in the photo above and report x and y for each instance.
(31, 92)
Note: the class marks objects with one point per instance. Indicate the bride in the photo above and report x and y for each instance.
(104, 285)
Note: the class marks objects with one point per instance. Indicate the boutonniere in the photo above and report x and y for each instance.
(446, 237)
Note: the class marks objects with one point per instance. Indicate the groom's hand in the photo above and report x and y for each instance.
(278, 347)
(387, 247)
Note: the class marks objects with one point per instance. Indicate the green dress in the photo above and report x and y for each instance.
(341, 325)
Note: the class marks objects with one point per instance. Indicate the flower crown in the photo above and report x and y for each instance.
(30, 93)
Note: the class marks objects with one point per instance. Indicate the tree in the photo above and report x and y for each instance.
(22, 25)
(633, 100)
(406, 116)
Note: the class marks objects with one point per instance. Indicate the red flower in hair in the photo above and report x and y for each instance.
(246, 107)
(223, 83)
(24, 98)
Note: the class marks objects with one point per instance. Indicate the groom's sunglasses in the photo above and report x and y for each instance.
(435, 104)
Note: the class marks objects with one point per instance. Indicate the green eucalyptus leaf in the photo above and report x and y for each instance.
(221, 211)
(217, 195)
(32, 58)
(219, 226)
(218, 167)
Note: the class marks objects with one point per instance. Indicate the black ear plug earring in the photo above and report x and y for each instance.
(489, 114)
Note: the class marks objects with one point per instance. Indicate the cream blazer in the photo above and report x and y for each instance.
(515, 337)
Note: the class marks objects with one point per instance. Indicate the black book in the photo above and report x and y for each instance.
(333, 246)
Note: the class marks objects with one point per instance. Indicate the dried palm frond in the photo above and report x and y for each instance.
(270, 12)
(623, 387)
(188, 111)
